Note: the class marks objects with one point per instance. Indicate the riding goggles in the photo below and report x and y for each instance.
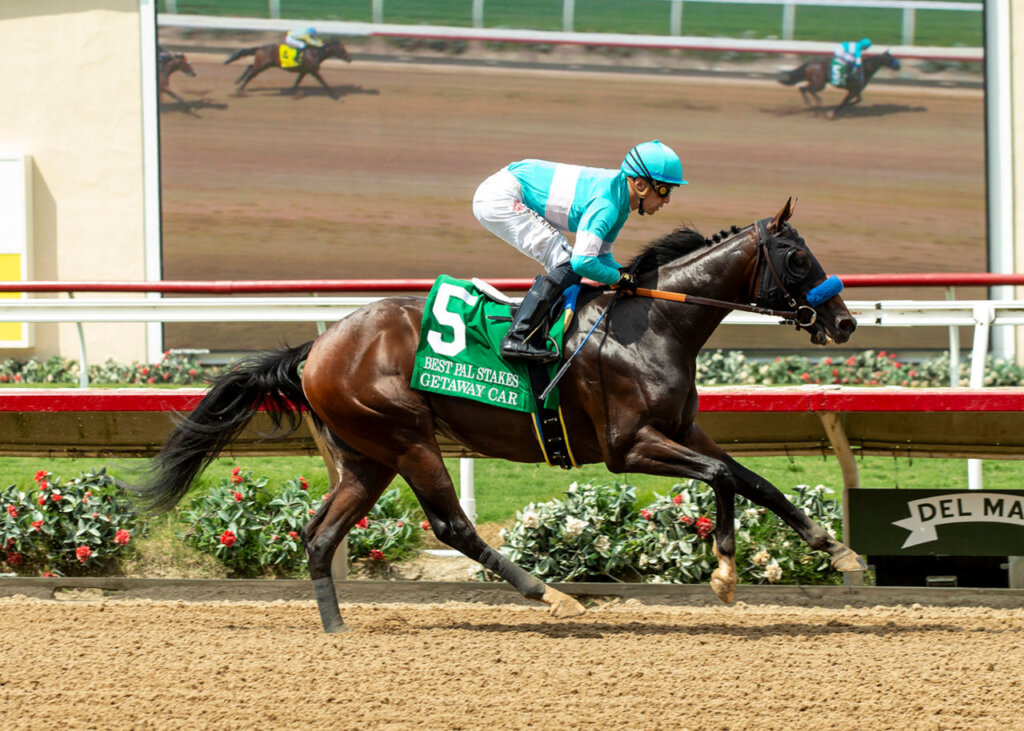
(662, 189)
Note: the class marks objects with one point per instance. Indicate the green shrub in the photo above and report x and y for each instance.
(597, 534)
(85, 526)
(254, 531)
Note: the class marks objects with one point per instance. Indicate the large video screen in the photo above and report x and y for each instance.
(372, 175)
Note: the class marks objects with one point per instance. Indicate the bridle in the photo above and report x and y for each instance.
(800, 315)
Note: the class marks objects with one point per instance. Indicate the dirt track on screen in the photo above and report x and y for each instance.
(379, 182)
(165, 664)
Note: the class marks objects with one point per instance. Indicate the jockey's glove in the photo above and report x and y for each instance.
(627, 282)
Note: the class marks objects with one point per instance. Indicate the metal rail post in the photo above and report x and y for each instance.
(984, 313)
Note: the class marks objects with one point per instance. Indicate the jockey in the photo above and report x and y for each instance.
(301, 38)
(848, 55)
(532, 204)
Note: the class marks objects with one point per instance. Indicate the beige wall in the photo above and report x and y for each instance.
(76, 108)
(1017, 149)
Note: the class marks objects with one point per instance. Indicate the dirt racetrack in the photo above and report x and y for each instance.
(379, 182)
(94, 663)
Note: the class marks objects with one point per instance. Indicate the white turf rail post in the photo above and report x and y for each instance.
(984, 314)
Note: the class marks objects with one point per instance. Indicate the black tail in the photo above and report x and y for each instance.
(795, 76)
(267, 379)
(244, 52)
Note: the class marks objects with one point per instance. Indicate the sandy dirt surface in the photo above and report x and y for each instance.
(93, 663)
(379, 182)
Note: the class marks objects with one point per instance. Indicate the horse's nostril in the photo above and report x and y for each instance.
(846, 324)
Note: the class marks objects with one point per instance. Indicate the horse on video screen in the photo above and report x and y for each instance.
(167, 64)
(816, 73)
(628, 398)
(307, 63)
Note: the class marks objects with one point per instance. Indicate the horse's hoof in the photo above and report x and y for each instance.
(724, 589)
(562, 605)
(848, 560)
(337, 629)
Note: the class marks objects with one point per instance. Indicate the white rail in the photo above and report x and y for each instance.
(506, 35)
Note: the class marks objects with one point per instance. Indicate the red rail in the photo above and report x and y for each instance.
(940, 279)
(714, 399)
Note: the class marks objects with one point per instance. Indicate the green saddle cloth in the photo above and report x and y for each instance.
(459, 349)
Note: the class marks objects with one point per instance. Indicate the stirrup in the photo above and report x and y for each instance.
(519, 350)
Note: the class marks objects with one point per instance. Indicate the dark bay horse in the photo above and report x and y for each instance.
(816, 73)
(268, 57)
(629, 400)
(167, 64)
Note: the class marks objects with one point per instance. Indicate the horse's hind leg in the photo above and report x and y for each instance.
(361, 481)
(251, 73)
(425, 472)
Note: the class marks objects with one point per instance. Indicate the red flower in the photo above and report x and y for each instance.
(293, 534)
(236, 471)
(677, 499)
(122, 537)
(144, 371)
(40, 475)
(150, 380)
(42, 499)
(273, 538)
(12, 511)
(400, 524)
(303, 484)
(238, 497)
(192, 372)
(827, 361)
(44, 485)
(48, 575)
(167, 376)
(376, 555)
(82, 553)
(227, 538)
(646, 514)
(364, 523)
(425, 525)
(704, 526)
(37, 524)
(55, 496)
(14, 558)
(686, 519)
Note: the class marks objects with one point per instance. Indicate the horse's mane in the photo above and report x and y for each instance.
(675, 245)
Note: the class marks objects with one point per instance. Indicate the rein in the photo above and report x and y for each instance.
(791, 316)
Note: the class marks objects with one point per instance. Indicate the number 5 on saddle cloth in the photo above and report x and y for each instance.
(458, 355)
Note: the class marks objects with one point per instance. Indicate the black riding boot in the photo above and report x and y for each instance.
(530, 320)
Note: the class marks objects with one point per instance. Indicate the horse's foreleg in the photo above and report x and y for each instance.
(298, 80)
(654, 453)
(757, 489)
(426, 474)
(318, 77)
(361, 482)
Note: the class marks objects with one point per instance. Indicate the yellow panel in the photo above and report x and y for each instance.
(10, 271)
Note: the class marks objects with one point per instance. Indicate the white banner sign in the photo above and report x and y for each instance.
(977, 506)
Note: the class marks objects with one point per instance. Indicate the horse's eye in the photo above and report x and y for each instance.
(798, 263)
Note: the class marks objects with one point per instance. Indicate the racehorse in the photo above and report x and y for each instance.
(167, 65)
(268, 56)
(816, 73)
(628, 398)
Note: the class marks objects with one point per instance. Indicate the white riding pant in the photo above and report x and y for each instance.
(498, 206)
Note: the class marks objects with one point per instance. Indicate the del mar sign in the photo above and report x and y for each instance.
(947, 522)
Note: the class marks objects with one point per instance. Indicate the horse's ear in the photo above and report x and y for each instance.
(782, 216)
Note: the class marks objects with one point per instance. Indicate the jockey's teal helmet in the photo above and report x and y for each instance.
(654, 161)
(310, 31)
(865, 42)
